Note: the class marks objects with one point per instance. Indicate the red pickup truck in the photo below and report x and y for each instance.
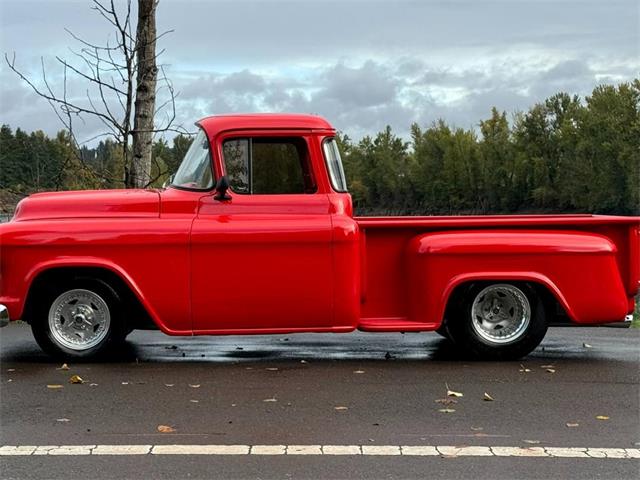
(256, 235)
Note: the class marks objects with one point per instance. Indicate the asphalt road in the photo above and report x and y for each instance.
(292, 390)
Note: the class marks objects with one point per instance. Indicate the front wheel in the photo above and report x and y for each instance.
(498, 321)
(80, 320)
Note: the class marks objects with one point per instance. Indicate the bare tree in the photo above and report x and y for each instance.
(120, 80)
(145, 93)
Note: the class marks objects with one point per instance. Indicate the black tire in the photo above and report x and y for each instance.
(113, 335)
(474, 341)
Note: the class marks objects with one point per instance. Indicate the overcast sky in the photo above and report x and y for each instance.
(361, 64)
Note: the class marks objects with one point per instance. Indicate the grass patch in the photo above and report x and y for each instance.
(635, 323)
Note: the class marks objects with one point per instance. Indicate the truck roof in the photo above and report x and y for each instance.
(218, 123)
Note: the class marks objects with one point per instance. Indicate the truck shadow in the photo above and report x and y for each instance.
(17, 346)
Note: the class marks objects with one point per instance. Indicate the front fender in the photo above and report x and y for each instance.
(89, 262)
(149, 255)
(579, 269)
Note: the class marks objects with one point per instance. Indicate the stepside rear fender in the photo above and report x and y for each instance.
(578, 268)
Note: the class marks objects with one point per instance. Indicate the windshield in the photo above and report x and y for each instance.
(334, 162)
(195, 170)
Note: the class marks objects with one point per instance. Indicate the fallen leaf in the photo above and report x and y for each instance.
(451, 393)
(166, 429)
(194, 401)
(197, 385)
(76, 379)
(93, 384)
(602, 417)
(524, 369)
(446, 410)
(570, 424)
(248, 368)
(169, 384)
(233, 404)
(273, 369)
(477, 429)
(63, 367)
(62, 419)
(534, 442)
(303, 361)
(586, 345)
(551, 370)
(270, 400)
(341, 408)
(487, 397)
(11, 369)
(547, 366)
(125, 383)
(358, 371)
(54, 386)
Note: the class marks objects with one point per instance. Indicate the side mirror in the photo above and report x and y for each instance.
(221, 190)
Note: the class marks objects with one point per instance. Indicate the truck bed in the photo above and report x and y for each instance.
(385, 262)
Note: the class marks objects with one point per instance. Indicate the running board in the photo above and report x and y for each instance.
(393, 324)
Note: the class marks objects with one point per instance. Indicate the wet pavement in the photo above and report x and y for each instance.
(326, 389)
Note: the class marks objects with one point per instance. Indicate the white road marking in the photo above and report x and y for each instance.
(380, 450)
(341, 450)
(420, 451)
(121, 450)
(304, 450)
(352, 450)
(200, 450)
(268, 449)
(464, 451)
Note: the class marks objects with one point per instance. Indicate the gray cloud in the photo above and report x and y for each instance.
(361, 64)
(369, 85)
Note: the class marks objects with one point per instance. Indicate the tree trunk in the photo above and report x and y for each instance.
(145, 104)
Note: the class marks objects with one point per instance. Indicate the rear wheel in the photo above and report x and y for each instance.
(79, 320)
(498, 321)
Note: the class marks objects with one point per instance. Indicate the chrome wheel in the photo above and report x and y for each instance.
(79, 319)
(500, 313)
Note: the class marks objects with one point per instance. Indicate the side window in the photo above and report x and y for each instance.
(268, 165)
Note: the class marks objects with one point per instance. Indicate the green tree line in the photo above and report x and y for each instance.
(564, 154)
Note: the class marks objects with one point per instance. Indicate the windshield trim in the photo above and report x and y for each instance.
(211, 163)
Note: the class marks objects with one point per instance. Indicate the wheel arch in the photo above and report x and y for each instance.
(131, 296)
(548, 291)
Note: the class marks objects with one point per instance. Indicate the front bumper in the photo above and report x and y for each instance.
(4, 316)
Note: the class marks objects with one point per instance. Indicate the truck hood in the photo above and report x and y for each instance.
(89, 203)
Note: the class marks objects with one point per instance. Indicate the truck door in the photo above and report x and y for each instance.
(261, 261)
